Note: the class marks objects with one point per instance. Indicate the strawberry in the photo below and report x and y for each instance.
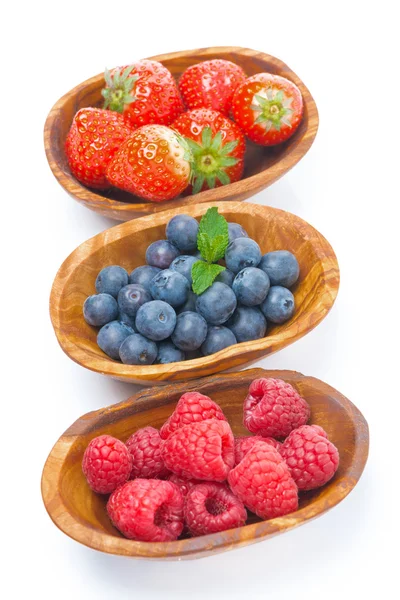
(154, 163)
(93, 139)
(144, 93)
(217, 145)
(268, 108)
(211, 84)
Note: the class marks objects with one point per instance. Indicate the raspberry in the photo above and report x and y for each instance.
(262, 481)
(203, 450)
(144, 446)
(312, 459)
(211, 507)
(191, 408)
(244, 444)
(148, 510)
(106, 464)
(183, 484)
(273, 408)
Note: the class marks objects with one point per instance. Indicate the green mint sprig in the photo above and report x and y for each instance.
(212, 241)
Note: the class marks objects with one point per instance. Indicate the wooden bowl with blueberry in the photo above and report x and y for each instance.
(192, 292)
(208, 125)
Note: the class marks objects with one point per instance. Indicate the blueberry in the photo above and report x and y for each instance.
(100, 309)
(131, 298)
(251, 286)
(190, 303)
(248, 323)
(235, 231)
(279, 305)
(226, 277)
(170, 286)
(182, 231)
(143, 275)
(161, 254)
(193, 355)
(198, 255)
(111, 336)
(217, 339)
(217, 303)
(242, 252)
(190, 331)
(130, 321)
(111, 279)
(168, 353)
(281, 267)
(183, 265)
(138, 350)
(156, 320)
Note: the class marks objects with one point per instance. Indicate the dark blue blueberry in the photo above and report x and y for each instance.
(124, 318)
(182, 231)
(198, 255)
(156, 320)
(111, 336)
(100, 309)
(143, 275)
(138, 350)
(251, 286)
(170, 286)
(248, 323)
(279, 305)
(226, 277)
(235, 231)
(168, 353)
(193, 355)
(242, 252)
(111, 279)
(190, 331)
(131, 298)
(281, 267)
(183, 265)
(190, 303)
(217, 303)
(161, 254)
(217, 339)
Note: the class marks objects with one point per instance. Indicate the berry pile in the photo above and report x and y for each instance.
(194, 478)
(157, 139)
(204, 288)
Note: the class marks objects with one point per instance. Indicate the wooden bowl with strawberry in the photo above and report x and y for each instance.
(207, 125)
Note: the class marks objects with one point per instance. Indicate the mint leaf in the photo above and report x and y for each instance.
(213, 224)
(203, 275)
(204, 246)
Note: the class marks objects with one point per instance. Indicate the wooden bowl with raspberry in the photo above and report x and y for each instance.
(262, 164)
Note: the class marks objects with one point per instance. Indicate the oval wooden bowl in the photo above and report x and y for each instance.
(81, 514)
(263, 165)
(125, 245)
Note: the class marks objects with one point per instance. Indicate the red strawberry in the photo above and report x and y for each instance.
(153, 164)
(268, 108)
(144, 92)
(92, 141)
(217, 145)
(211, 84)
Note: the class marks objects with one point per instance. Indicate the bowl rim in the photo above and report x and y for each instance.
(223, 193)
(91, 537)
(269, 344)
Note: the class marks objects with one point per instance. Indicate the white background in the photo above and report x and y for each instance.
(347, 187)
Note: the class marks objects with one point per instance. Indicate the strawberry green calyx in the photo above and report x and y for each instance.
(210, 159)
(274, 108)
(119, 90)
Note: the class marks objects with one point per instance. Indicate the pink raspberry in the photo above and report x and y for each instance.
(148, 510)
(312, 459)
(263, 482)
(244, 444)
(211, 507)
(144, 446)
(203, 450)
(273, 408)
(106, 464)
(192, 407)
(183, 484)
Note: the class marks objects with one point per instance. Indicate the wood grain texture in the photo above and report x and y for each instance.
(81, 514)
(263, 166)
(125, 245)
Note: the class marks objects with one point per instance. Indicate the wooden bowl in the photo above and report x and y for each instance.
(81, 514)
(125, 245)
(263, 165)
